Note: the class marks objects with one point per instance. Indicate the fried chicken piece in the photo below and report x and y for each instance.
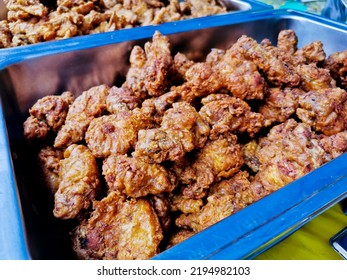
(337, 64)
(115, 134)
(158, 67)
(79, 182)
(224, 199)
(251, 155)
(239, 76)
(287, 49)
(324, 110)
(221, 157)
(49, 158)
(150, 68)
(135, 178)
(185, 204)
(288, 152)
(47, 114)
(157, 106)
(182, 129)
(279, 104)
(201, 8)
(5, 34)
(25, 9)
(118, 229)
(179, 237)
(312, 53)
(215, 56)
(201, 81)
(313, 77)
(276, 71)
(167, 14)
(135, 75)
(287, 42)
(182, 64)
(226, 113)
(89, 105)
(336, 144)
(121, 100)
(161, 206)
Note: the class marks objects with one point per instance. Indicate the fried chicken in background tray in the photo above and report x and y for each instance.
(34, 21)
(181, 145)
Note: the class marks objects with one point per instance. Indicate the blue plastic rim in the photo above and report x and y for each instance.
(240, 236)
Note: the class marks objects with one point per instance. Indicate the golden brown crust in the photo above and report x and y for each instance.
(89, 105)
(118, 229)
(183, 144)
(46, 115)
(135, 177)
(79, 182)
(325, 110)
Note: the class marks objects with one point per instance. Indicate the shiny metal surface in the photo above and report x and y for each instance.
(79, 63)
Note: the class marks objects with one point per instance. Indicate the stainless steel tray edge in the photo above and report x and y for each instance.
(12, 232)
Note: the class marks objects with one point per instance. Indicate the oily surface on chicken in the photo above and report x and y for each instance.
(182, 144)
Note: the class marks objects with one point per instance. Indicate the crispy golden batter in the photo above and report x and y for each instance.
(161, 206)
(277, 72)
(182, 64)
(182, 144)
(135, 75)
(239, 76)
(201, 81)
(287, 49)
(47, 114)
(121, 100)
(225, 198)
(5, 34)
(288, 152)
(279, 104)
(173, 139)
(79, 182)
(185, 204)
(220, 158)
(135, 178)
(157, 106)
(313, 77)
(115, 134)
(199, 8)
(251, 152)
(49, 158)
(179, 237)
(324, 110)
(119, 229)
(336, 144)
(337, 64)
(25, 9)
(158, 67)
(230, 114)
(89, 105)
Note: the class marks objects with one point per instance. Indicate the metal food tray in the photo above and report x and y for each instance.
(29, 230)
(232, 6)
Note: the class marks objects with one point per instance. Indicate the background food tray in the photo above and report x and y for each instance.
(28, 229)
(232, 7)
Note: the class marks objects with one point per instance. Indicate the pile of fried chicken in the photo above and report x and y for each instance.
(34, 21)
(181, 145)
